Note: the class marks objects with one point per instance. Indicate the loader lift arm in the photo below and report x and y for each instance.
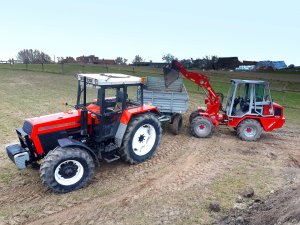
(171, 73)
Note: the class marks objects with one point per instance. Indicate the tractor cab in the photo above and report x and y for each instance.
(115, 93)
(249, 97)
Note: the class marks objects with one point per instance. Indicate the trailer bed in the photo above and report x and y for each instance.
(171, 100)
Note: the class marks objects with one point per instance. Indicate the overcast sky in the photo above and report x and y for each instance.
(251, 30)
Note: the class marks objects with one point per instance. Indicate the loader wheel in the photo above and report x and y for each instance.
(67, 169)
(176, 125)
(141, 138)
(201, 127)
(249, 130)
(194, 115)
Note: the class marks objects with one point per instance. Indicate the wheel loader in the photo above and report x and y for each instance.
(249, 108)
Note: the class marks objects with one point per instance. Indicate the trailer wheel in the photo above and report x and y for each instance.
(141, 138)
(176, 125)
(201, 127)
(67, 169)
(249, 130)
(193, 115)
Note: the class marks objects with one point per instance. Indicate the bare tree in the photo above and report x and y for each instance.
(121, 61)
(168, 58)
(28, 56)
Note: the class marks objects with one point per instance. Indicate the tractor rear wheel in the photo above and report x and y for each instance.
(249, 130)
(176, 125)
(201, 127)
(141, 138)
(67, 169)
(193, 115)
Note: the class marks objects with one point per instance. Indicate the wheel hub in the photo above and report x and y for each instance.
(249, 130)
(68, 170)
(201, 126)
(141, 138)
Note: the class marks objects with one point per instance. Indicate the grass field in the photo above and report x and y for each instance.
(185, 175)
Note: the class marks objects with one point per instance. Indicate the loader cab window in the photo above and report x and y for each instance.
(241, 101)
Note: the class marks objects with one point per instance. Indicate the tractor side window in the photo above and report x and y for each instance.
(133, 96)
(259, 92)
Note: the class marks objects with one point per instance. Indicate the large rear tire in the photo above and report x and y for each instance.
(176, 125)
(67, 169)
(141, 138)
(201, 127)
(249, 130)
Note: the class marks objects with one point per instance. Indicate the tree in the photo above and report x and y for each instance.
(168, 58)
(137, 59)
(121, 61)
(29, 56)
(187, 63)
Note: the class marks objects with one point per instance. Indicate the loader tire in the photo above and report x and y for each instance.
(249, 130)
(141, 138)
(193, 115)
(67, 169)
(201, 127)
(176, 125)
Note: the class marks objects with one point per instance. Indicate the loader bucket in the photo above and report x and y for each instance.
(170, 75)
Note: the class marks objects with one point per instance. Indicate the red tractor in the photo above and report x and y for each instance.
(249, 108)
(70, 144)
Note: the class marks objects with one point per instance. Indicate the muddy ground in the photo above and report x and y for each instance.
(174, 187)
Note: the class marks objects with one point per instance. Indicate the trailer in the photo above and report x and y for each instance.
(172, 101)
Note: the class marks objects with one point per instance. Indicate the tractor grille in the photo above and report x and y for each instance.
(27, 127)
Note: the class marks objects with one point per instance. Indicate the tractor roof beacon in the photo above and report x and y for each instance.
(249, 108)
(71, 144)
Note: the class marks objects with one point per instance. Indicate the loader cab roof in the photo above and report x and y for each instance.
(100, 79)
(238, 81)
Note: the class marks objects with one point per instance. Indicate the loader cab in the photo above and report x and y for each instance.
(249, 97)
(103, 98)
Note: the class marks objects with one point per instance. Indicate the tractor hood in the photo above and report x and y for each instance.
(52, 122)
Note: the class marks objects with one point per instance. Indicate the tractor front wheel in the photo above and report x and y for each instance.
(201, 127)
(176, 125)
(193, 115)
(249, 130)
(67, 169)
(141, 138)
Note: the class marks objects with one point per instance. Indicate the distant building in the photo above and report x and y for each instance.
(69, 59)
(270, 65)
(249, 63)
(229, 63)
(245, 68)
(95, 60)
(150, 64)
(105, 62)
(87, 59)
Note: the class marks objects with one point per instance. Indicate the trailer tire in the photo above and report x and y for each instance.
(141, 138)
(176, 125)
(193, 115)
(67, 169)
(249, 130)
(201, 127)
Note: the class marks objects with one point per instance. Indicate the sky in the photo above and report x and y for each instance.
(251, 30)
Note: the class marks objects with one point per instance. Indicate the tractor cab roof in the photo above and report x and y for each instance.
(100, 79)
(238, 81)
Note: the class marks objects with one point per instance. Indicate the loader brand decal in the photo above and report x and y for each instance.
(58, 126)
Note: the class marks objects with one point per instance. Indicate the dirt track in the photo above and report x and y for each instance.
(174, 187)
